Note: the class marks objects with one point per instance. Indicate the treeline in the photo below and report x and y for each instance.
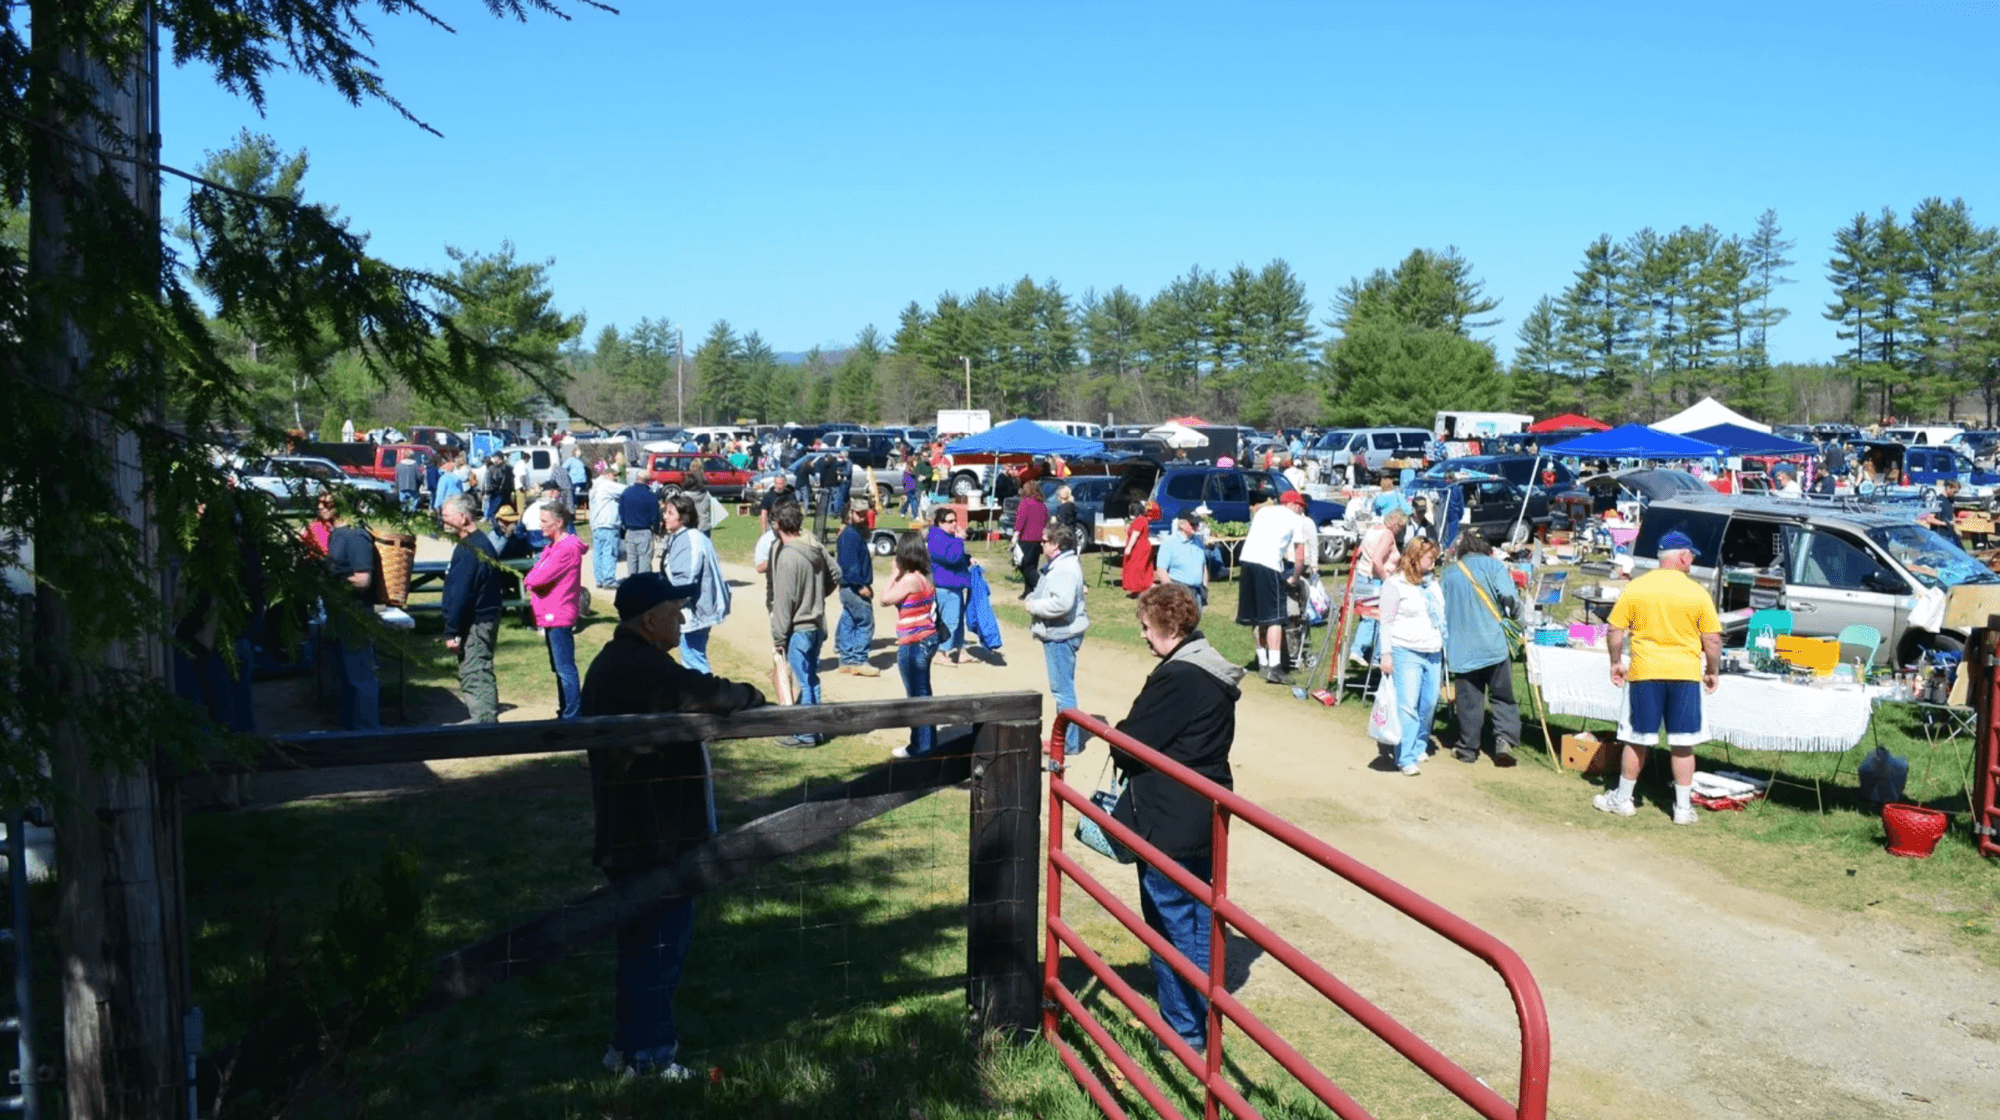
(1650, 323)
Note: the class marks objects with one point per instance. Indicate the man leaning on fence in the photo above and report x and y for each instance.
(652, 804)
(1676, 640)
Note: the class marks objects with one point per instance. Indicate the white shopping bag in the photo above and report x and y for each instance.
(1385, 724)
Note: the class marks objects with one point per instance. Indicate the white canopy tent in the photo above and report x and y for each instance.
(1707, 413)
(1178, 435)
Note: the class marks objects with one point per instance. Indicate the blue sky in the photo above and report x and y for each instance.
(806, 169)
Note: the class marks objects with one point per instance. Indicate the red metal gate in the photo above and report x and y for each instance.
(1985, 793)
(1534, 1087)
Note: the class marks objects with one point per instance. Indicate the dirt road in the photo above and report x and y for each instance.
(1670, 992)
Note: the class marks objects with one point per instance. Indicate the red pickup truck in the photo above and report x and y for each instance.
(368, 460)
(668, 470)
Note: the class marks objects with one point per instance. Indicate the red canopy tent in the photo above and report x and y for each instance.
(1568, 422)
(1188, 421)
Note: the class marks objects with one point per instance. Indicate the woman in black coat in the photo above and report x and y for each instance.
(1186, 711)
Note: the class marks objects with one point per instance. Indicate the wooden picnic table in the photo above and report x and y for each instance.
(427, 576)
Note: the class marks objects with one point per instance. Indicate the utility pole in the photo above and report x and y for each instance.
(119, 919)
(680, 377)
(968, 381)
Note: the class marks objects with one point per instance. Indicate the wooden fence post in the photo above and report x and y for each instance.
(1003, 935)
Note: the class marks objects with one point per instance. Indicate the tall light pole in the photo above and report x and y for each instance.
(680, 377)
(968, 381)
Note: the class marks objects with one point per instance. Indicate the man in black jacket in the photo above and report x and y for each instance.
(651, 804)
(473, 592)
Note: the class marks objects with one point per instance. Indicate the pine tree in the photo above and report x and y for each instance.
(1597, 323)
(718, 364)
(1539, 382)
(1766, 251)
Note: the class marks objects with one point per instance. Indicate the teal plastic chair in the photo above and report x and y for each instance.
(1860, 634)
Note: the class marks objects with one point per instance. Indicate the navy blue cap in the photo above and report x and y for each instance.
(1676, 541)
(641, 593)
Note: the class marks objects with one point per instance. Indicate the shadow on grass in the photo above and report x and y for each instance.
(833, 977)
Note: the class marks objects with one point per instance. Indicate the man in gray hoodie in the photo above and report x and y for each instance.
(1059, 620)
(801, 578)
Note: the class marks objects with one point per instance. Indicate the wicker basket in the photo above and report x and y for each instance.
(399, 553)
(1913, 831)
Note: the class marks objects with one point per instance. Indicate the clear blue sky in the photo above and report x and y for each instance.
(805, 169)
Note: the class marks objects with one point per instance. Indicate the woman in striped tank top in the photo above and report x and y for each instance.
(914, 597)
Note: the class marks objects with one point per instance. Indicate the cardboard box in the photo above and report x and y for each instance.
(1587, 753)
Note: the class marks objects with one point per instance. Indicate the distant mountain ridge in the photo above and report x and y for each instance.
(833, 352)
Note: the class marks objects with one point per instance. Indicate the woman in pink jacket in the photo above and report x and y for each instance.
(555, 584)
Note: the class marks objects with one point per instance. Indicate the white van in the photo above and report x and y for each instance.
(1923, 436)
(1075, 428)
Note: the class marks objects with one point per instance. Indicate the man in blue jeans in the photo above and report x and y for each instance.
(651, 805)
(1058, 620)
(801, 579)
(856, 630)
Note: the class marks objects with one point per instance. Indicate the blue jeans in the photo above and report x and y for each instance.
(493, 504)
(1061, 658)
(1184, 922)
(604, 557)
(1364, 629)
(913, 663)
(836, 500)
(856, 628)
(651, 952)
(1417, 679)
(951, 618)
(562, 659)
(910, 502)
(802, 654)
(360, 693)
(694, 650)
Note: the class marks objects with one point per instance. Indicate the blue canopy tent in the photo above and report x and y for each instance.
(1627, 441)
(1635, 441)
(1737, 440)
(1022, 437)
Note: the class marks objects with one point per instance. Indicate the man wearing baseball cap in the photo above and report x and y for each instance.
(1273, 540)
(651, 805)
(1668, 621)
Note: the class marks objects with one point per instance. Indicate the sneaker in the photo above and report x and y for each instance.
(800, 741)
(865, 671)
(844, 669)
(1503, 756)
(902, 753)
(1685, 816)
(1467, 757)
(672, 1071)
(1411, 770)
(1610, 802)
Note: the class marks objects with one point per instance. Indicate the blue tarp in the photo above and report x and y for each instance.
(1634, 441)
(1023, 437)
(1738, 440)
(979, 618)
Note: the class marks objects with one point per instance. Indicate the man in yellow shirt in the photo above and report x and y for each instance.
(1669, 622)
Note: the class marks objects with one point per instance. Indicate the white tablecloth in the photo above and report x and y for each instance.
(1757, 715)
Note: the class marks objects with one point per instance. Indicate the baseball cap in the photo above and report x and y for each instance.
(1293, 498)
(1676, 541)
(641, 593)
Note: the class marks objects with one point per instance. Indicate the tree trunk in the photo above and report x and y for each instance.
(117, 835)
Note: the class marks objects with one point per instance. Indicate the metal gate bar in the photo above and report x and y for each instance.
(1535, 1054)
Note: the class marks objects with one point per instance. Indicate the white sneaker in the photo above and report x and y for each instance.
(1685, 816)
(1411, 770)
(1610, 802)
(902, 752)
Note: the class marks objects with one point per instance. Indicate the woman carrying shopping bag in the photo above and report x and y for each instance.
(1413, 629)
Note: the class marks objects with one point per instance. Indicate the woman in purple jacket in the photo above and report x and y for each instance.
(555, 585)
(951, 570)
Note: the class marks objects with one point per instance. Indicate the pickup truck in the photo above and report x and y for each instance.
(1922, 469)
(367, 460)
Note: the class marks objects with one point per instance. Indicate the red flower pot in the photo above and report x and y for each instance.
(1913, 831)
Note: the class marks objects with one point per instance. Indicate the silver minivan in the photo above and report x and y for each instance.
(1837, 566)
(1359, 454)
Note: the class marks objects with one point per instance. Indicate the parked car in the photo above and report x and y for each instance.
(1360, 454)
(883, 487)
(1087, 491)
(1841, 566)
(1498, 509)
(1517, 469)
(667, 471)
(1227, 493)
(366, 460)
(1923, 469)
(293, 481)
